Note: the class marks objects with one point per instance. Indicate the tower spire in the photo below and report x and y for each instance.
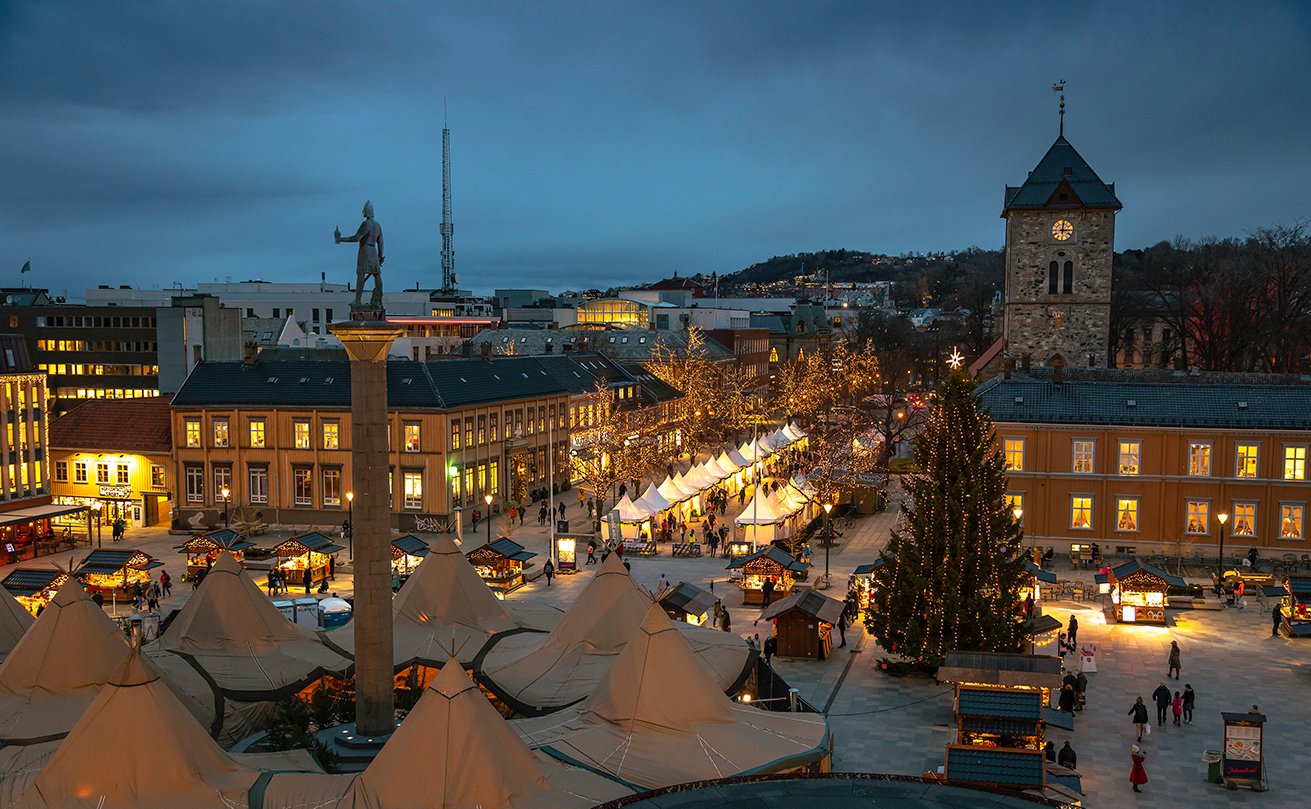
(1059, 87)
(447, 227)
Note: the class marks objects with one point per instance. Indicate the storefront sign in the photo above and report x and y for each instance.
(116, 492)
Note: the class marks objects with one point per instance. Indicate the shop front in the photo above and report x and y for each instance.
(202, 551)
(33, 587)
(500, 564)
(803, 624)
(26, 533)
(310, 552)
(1139, 592)
(771, 564)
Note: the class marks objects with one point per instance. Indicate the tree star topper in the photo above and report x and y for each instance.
(955, 359)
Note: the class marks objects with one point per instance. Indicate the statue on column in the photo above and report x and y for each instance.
(369, 263)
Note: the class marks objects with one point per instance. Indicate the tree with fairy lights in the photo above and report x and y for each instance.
(953, 567)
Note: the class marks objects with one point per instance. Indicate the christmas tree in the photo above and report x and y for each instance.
(953, 567)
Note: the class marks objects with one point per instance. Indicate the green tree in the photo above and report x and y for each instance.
(952, 570)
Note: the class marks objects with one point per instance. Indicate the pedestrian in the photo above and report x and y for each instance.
(1028, 606)
(152, 597)
(474, 518)
(136, 596)
(842, 629)
(1161, 696)
(1174, 660)
(541, 515)
(1190, 700)
(1177, 708)
(1081, 688)
(1066, 758)
(1139, 713)
(628, 566)
(663, 584)
(395, 581)
(767, 591)
(590, 509)
(270, 579)
(166, 582)
(307, 579)
(1074, 633)
(1137, 775)
(771, 648)
(549, 570)
(1239, 588)
(581, 498)
(562, 509)
(591, 552)
(510, 515)
(1050, 751)
(332, 565)
(1277, 618)
(726, 621)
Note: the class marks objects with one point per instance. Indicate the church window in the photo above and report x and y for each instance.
(1069, 278)
(1053, 270)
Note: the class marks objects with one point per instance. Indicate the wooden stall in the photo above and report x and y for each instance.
(203, 550)
(862, 583)
(1296, 606)
(1138, 592)
(310, 551)
(33, 587)
(770, 563)
(803, 624)
(1033, 584)
(688, 603)
(407, 551)
(501, 564)
(112, 573)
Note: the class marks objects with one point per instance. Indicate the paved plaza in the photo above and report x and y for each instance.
(900, 725)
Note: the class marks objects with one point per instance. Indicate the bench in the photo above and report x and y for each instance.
(636, 547)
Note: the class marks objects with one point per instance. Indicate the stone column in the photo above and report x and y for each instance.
(367, 341)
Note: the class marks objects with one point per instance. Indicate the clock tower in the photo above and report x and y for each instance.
(1060, 241)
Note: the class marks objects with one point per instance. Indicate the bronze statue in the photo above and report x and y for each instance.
(369, 263)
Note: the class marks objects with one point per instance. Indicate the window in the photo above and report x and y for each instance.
(102, 473)
(532, 419)
(222, 480)
(1290, 520)
(61, 471)
(1126, 513)
(412, 436)
(541, 419)
(257, 433)
(1015, 500)
(300, 433)
(1198, 517)
(468, 432)
(302, 486)
(122, 474)
(1014, 449)
(1199, 459)
(193, 432)
(1068, 279)
(413, 491)
(1081, 511)
(482, 477)
(157, 480)
(1295, 463)
(1130, 454)
(482, 430)
(494, 477)
(79, 472)
(468, 481)
(1245, 467)
(332, 487)
(259, 484)
(1053, 278)
(331, 434)
(195, 476)
(1083, 456)
(1244, 519)
(494, 420)
(220, 432)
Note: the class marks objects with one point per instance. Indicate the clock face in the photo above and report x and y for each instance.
(1062, 230)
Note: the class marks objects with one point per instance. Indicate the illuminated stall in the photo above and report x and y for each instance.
(688, 603)
(500, 564)
(803, 624)
(407, 551)
(862, 583)
(762, 521)
(33, 587)
(771, 563)
(1138, 592)
(111, 573)
(634, 521)
(202, 550)
(310, 551)
(1035, 580)
(1296, 606)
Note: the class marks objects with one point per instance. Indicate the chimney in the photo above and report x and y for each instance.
(249, 354)
(486, 351)
(1007, 367)
(1025, 362)
(1058, 371)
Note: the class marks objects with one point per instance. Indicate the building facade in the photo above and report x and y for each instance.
(1147, 461)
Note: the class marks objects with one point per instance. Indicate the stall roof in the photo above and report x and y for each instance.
(1000, 704)
(1299, 587)
(1045, 576)
(312, 541)
(26, 581)
(1036, 671)
(505, 547)
(411, 545)
(995, 765)
(1135, 565)
(224, 539)
(810, 602)
(1040, 624)
(20, 515)
(112, 561)
(774, 554)
(865, 570)
(688, 598)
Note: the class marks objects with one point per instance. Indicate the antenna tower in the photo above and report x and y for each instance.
(447, 227)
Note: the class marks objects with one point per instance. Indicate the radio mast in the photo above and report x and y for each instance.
(447, 227)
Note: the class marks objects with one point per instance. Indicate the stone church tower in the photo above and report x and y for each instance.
(1060, 240)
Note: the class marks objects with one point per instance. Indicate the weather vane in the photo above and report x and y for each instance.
(1059, 87)
(955, 359)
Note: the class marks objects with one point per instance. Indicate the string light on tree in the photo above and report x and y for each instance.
(956, 359)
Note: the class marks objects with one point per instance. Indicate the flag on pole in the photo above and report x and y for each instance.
(27, 267)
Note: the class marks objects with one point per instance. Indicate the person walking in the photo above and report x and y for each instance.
(152, 597)
(1177, 708)
(1066, 701)
(1073, 634)
(1189, 701)
(1067, 758)
(1137, 775)
(581, 499)
(842, 629)
(166, 582)
(1239, 588)
(541, 514)
(474, 519)
(726, 621)
(767, 591)
(549, 571)
(1174, 660)
(591, 552)
(1139, 713)
(662, 585)
(1161, 696)
(770, 649)
(1277, 618)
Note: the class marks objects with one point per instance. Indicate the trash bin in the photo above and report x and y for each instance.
(287, 609)
(1212, 759)
(307, 612)
(333, 612)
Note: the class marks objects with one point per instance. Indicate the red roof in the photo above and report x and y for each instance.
(116, 425)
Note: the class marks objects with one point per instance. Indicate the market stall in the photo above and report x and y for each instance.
(202, 550)
(500, 564)
(407, 551)
(773, 564)
(1296, 606)
(112, 573)
(634, 521)
(803, 624)
(1138, 592)
(310, 551)
(688, 603)
(762, 521)
(861, 583)
(33, 587)
(1034, 581)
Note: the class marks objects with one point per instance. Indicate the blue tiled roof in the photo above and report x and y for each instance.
(774, 554)
(1000, 704)
(995, 765)
(1300, 586)
(1043, 575)
(410, 544)
(1062, 164)
(865, 570)
(1001, 727)
(509, 549)
(1150, 399)
(30, 580)
(1135, 565)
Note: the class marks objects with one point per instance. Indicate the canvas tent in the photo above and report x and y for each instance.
(136, 747)
(653, 501)
(14, 621)
(568, 663)
(55, 670)
(671, 493)
(657, 719)
(761, 519)
(453, 750)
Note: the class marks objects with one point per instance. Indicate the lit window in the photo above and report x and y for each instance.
(300, 433)
(1126, 514)
(494, 477)
(1245, 466)
(1083, 456)
(222, 481)
(331, 435)
(157, 480)
(455, 433)
(1295, 463)
(220, 432)
(257, 432)
(1198, 517)
(1244, 519)
(1199, 459)
(122, 474)
(302, 487)
(1081, 511)
(468, 432)
(1015, 500)
(413, 439)
(332, 487)
(193, 432)
(482, 430)
(1130, 454)
(79, 472)
(1290, 520)
(773, 354)
(495, 421)
(1014, 448)
(413, 489)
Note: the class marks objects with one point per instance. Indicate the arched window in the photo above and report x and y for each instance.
(1053, 270)
(1069, 278)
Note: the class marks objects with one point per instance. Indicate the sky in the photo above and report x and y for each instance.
(597, 144)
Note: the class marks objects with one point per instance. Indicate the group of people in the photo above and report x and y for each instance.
(148, 594)
(1176, 704)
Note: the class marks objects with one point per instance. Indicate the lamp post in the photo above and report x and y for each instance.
(96, 508)
(487, 498)
(1019, 512)
(828, 538)
(350, 525)
(227, 496)
(1223, 517)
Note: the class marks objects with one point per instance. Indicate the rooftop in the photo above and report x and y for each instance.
(116, 425)
(1062, 167)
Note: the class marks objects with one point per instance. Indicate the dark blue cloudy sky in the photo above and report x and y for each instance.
(607, 142)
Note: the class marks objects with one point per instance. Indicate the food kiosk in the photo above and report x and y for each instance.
(1296, 606)
(33, 587)
(803, 624)
(1138, 592)
(862, 583)
(310, 551)
(407, 551)
(1242, 762)
(112, 573)
(1033, 583)
(768, 563)
(204, 549)
(500, 564)
(688, 603)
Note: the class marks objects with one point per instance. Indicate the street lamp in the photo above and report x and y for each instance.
(96, 508)
(1223, 517)
(828, 537)
(1019, 512)
(227, 496)
(487, 498)
(350, 524)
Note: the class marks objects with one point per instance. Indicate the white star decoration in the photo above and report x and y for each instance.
(956, 359)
